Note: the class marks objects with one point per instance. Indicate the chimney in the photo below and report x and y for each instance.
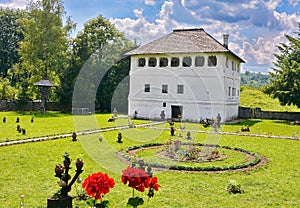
(225, 40)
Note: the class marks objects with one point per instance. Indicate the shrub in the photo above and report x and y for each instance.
(234, 187)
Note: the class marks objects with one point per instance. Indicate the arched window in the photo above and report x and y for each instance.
(174, 62)
(199, 61)
(141, 62)
(212, 61)
(163, 62)
(152, 62)
(187, 61)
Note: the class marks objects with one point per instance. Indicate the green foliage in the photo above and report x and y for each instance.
(285, 81)
(254, 80)
(7, 92)
(90, 47)
(10, 36)
(234, 187)
(43, 50)
(135, 201)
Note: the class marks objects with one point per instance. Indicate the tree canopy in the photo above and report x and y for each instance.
(285, 80)
(97, 35)
(43, 50)
(10, 36)
(35, 44)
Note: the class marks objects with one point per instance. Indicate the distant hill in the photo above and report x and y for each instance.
(254, 80)
(255, 98)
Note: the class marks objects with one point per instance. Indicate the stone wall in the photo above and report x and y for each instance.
(246, 113)
(30, 106)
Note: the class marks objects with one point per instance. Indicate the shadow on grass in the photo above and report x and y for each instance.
(38, 114)
(248, 122)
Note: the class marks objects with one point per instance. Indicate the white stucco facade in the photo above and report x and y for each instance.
(194, 85)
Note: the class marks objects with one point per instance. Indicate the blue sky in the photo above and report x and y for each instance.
(255, 27)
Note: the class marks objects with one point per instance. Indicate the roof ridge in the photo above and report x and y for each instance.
(188, 29)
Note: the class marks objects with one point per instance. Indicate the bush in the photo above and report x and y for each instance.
(234, 187)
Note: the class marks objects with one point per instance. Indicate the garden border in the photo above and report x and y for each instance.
(258, 161)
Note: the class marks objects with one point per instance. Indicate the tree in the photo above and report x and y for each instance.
(7, 92)
(285, 80)
(43, 50)
(10, 36)
(97, 35)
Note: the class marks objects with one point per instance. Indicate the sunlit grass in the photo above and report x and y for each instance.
(29, 168)
(255, 98)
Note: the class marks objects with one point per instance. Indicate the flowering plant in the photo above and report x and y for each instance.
(139, 180)
(96, 186)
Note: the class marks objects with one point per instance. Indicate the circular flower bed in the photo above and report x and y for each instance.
(180, 163)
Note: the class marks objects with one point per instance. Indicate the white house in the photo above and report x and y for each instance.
(186, 73)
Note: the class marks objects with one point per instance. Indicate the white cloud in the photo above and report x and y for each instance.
(255, 28)
(294, 2)
(144, 31)
(16, 4)
(150, 2)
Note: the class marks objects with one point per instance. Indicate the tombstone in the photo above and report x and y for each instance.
(162, 115)
(188, 135)
(32, 119)
(119, 138)
(74, 137)
(100, 138)
(172, 131)
(219, 118)
(19, 128)
(115, 113)
(4, 120)
(18, 120)
(135, 114)
(23, 131)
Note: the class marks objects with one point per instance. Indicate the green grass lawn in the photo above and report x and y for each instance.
(52, 123)
(29, 168)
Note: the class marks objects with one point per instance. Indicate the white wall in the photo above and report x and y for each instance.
(205, 89)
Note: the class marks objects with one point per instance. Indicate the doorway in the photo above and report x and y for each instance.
(176, 110)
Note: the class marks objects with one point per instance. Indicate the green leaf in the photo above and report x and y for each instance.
(91, 201)
(134, 202)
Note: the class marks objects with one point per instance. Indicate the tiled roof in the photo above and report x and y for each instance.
(183, 41)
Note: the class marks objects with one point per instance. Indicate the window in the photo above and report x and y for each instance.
(152, 62)
(227, 62)
(180, 89)
(164, 89)
(164, 104)
(233, 91)
(187, 61)
(199, 61)
(175, 62)
(232, 66)
(212, 61)
(229, 91)
(163, 62)
(147, 88)
(142, 62)
(238, 68)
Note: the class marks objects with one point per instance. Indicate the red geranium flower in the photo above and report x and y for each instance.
(98, 184)
(136, 178)
(153, 184)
